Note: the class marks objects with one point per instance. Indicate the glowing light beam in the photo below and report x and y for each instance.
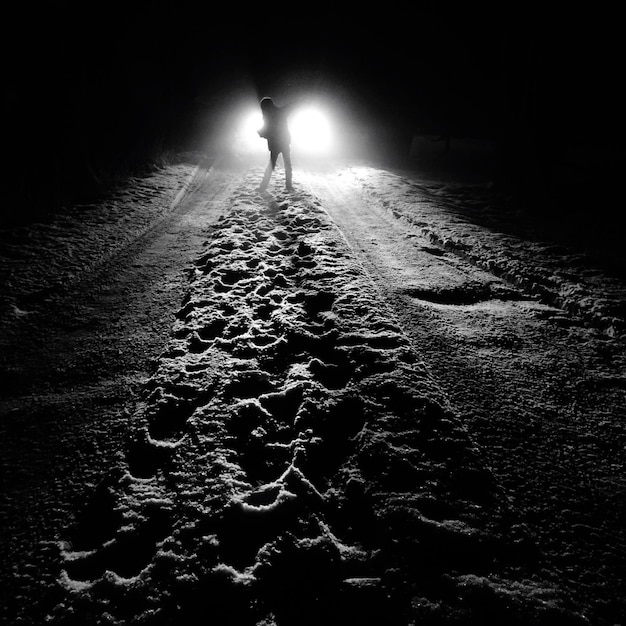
(252, 122)
(310, 128)
(310, 131)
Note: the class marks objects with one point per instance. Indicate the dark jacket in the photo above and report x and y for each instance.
(275, 127)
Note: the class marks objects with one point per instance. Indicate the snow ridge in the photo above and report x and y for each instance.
(558, 276)
(39, 261)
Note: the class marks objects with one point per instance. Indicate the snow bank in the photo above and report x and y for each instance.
(472, 223)
(39, 260)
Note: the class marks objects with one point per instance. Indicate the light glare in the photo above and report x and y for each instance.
(309, 127)
(310, 131)
(246, 139)
(252, 123)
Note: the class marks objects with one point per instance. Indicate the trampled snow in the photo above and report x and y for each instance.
(292, 458)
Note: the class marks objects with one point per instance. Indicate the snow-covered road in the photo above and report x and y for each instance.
(540, 390)
(375, 400)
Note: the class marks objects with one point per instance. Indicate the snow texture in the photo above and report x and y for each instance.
(293, 455)
(292, 459)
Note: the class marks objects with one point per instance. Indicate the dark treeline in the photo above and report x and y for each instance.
(93, 93)
(559, 109)
(97, 91)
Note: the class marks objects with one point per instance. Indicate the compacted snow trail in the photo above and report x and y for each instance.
(354, 420)
(293, 461)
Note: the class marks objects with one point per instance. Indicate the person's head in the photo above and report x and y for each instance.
(266, 104)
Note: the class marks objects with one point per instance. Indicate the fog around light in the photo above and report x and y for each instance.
(246, 136)
(252, 123)
(310, 128)
(310, 131)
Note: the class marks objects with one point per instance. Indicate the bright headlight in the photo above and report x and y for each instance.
(251, 124)
(310, 131)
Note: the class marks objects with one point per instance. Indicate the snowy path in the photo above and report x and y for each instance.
(541, 393)
(354, 418)
(91, 307)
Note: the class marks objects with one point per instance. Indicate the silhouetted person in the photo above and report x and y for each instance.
(276, 130)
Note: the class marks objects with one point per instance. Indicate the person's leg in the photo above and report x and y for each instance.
(268, 170)
(288, 169)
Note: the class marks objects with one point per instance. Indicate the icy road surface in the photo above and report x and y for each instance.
(376, 397)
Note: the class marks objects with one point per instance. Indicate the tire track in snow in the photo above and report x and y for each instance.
(541, 269)
(293, 460)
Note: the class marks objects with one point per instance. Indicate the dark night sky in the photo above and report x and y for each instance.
(95, 83)
(395, 63)
(439, 52)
